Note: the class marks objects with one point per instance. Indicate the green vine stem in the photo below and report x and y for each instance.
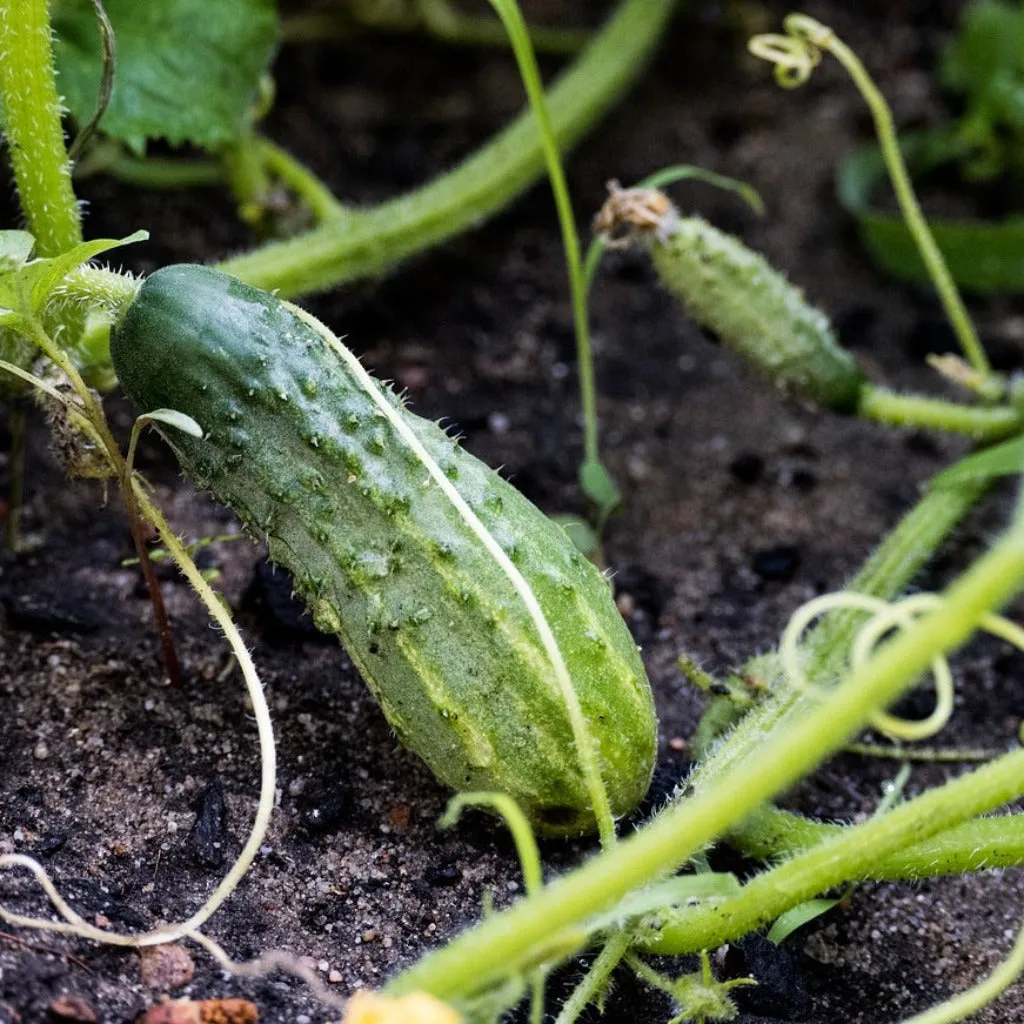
(109, 157)
(851, 854)
(512, 19)
(596, 980)
(981, 845)
(443, 21)
(978, 422)
(795, 56)
(306, 185)
(503, 943)
(31, 121)
(370, 241)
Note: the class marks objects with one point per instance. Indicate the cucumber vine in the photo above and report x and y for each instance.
(844, 658)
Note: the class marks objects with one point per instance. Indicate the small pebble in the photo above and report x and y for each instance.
(41, 751)
(72, 1009)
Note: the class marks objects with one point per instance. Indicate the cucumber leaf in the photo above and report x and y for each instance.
(186, 70)
(982, 257)
(173, 418)
(797, 917)
(600, 486)
(15, 249)
(42, 276)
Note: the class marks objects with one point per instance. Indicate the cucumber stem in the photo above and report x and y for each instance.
(852, 853)
(980, 845)
(795, 55)
(31, 121)
(306, 185)
(368, 242)
(981, 423)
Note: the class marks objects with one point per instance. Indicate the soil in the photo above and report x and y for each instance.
(740, 505)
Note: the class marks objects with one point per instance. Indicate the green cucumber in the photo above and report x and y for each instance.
(755, 311)
(736, 293)
(342, 481)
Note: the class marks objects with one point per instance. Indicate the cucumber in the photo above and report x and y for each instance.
(329, 467)
(736, 293)
(758, 313)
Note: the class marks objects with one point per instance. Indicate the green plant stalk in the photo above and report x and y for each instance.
(596, 979)
(162, 172)
(980, 845)
(31, 121)
(888, 570)
(246, 176)
(932, 256)
(530, 73)
(491, 949)
(978, 422)
(851, 854)
(306, 185)
(369, 242)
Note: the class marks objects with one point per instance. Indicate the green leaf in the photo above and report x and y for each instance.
(15, 249)
(186, 71)
(580, 532)
(797, 917)
(42, 276)
(1006, 459)
(982, 257)
(599, 486)
(180, 420)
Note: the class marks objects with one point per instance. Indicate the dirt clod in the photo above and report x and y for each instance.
(165, 967)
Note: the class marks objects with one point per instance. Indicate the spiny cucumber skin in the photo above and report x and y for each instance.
(756, 312)
(300, 452)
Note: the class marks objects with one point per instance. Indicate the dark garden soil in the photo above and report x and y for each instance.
(740, 506)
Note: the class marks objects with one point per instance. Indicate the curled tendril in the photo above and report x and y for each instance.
(795, 54)
(885, 617)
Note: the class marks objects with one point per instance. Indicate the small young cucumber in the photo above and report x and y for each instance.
(736, 293)
(304, 447)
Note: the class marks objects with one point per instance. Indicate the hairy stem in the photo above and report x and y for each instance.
(852, 853)
(979, 845)
(953, 304)
(306, 185)
(978, 422)
(31, 121)
(370, 241)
